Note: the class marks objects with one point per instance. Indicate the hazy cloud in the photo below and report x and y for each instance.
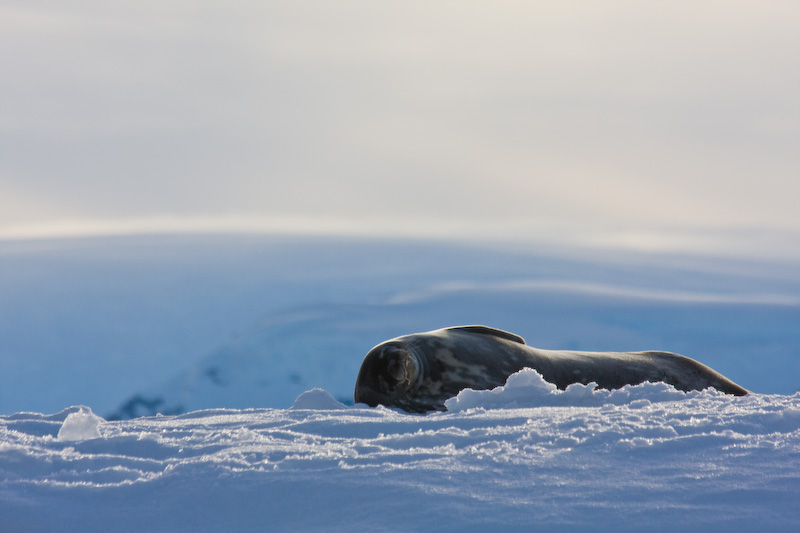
(569, 118)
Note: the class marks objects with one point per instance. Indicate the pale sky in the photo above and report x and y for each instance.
(640, 124)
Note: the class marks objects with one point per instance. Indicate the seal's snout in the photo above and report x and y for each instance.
(401, 368)
(397, 369)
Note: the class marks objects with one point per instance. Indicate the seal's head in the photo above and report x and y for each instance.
(390, 375)
(419, 372)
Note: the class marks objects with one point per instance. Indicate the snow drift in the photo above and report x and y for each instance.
(524, 456)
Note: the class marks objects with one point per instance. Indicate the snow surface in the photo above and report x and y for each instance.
(261, 339)
(521, 457)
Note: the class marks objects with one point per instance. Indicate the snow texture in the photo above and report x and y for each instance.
(520, 457)
(81, 425)
(249, 347)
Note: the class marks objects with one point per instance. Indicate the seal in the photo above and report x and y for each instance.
(418, 372)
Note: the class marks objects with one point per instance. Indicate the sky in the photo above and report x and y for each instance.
(620, 123)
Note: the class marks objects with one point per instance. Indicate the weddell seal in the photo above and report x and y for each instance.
(418, 372)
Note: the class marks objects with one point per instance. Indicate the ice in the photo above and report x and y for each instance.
(139, 325)
(80, 425)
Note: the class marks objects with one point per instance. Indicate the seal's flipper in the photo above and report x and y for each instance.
(486, 330)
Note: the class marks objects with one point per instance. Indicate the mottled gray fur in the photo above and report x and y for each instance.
(418, 372)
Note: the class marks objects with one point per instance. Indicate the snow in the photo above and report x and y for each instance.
(180, 323)
(317, 399)
(81, 425)
(520, 457)
(277, 359)
(527, 388)
(249, 347)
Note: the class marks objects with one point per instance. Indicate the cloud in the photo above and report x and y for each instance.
(568, 118)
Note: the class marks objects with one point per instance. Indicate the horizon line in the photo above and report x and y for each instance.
(759, 243)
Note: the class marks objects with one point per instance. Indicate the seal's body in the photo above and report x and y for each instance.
(418, 372)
